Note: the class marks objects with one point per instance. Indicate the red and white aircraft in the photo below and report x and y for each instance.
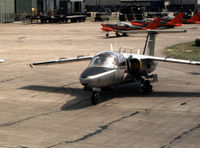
(124, 27)
(175, 22)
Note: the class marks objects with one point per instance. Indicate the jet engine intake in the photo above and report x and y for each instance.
(134, 66)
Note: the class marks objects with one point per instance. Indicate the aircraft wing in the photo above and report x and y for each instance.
(1, 61)
(161, 59)
(171, 60)
(63, 60)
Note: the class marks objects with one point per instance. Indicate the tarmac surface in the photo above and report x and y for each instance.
(47, 107)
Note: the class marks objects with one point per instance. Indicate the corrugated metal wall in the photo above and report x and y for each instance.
(7, 10)
(23, 6)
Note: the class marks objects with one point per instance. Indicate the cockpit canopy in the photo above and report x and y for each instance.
(107, 59)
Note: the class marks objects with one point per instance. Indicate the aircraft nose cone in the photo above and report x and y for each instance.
(91, 71)
(85, 77)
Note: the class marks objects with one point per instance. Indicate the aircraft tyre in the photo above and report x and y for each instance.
(107, 35)
(147, 87)
(124, 34)
(94, 99)
(117, 34)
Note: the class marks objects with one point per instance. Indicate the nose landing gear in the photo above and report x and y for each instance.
(94, 98)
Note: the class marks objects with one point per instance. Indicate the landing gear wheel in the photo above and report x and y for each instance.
(124, 34)
(94, 99)
(107, 35)
(117, 34)
(147, 87)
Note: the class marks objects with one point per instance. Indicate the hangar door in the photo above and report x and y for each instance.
(23, 6)
(40, 6)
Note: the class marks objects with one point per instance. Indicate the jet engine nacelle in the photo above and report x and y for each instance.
(137, 66)
(134, 66)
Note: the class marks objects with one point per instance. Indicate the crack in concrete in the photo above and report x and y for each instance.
(11, 79)
(180, 136)
(25, 119)
(98, 131)
(43, 114)
(47, 113)
(36, 116)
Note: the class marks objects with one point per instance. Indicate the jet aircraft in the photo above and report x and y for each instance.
(110, 68)
(194, 20)
(175, 22)
(124, 27)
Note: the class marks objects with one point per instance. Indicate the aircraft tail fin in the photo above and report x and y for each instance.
(178, 19)
(149, 47)
(196, 17)
(154, 24)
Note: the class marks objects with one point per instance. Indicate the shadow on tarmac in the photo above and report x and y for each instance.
(82, 97)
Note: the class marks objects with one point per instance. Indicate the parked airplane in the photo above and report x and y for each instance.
(176, 21)
(194, 20)
(110, 68)
(124, 27)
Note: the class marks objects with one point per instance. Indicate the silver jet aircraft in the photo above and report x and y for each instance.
(110, 68)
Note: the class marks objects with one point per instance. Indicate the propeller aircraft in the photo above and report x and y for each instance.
(110, 68)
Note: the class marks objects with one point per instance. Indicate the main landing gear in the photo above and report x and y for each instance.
(107, 35)
(94, 98)
(117, 34)
(146, 86)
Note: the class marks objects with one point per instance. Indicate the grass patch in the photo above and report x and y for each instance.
(187, 51)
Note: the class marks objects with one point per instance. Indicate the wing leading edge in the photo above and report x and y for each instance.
(63, 60)
(171, 60)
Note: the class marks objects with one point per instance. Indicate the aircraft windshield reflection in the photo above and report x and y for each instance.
(104, 60)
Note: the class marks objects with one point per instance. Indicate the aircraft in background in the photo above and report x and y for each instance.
(195, 19)
(110, 68)
(124, 27)
(175, 22)
(1, 61)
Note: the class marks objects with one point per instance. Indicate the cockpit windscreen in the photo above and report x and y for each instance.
(104, 60)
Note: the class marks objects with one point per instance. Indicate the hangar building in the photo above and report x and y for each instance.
(10, 9)
(7, 11)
